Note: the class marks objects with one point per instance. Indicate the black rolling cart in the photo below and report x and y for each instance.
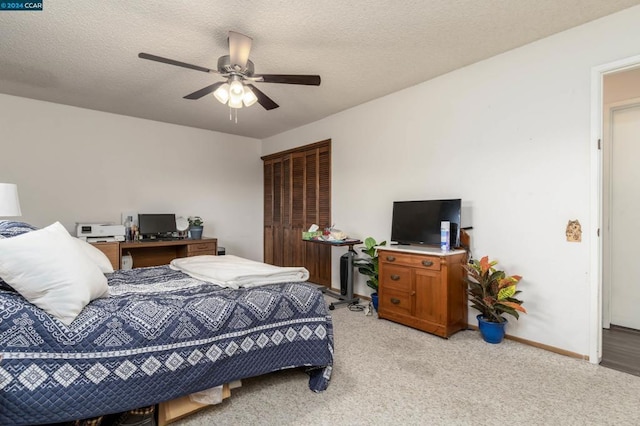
(345, 297)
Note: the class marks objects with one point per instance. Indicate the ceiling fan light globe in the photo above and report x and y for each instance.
(249, 97)
(222, 93)
(236, 88)
(235, 102)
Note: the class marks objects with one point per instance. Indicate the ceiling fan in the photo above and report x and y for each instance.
(238, 71)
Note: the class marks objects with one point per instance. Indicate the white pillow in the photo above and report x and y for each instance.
(98, 257)
(51, 271)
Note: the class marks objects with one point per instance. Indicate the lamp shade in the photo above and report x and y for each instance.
(249, 97)
(9, 202)
(222, 93)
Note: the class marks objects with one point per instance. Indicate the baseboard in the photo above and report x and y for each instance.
(540, 345)
(523, 341)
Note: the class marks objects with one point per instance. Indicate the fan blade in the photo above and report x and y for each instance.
(309, 80)
(204, 91)
(239, 48)
(266, 102)
(173, 62)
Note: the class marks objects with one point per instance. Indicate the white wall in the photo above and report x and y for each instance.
(73, 164)
(511, 137)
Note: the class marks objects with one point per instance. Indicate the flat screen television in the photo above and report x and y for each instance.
(418, 222)
(157, 225)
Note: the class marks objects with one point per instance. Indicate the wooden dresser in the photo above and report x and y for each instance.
(156, 253)
(423, 288)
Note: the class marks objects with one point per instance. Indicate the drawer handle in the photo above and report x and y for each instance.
(395, 301)
(395, 277)
(427, 263)
(391, 258)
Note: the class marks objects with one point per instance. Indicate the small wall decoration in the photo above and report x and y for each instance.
(574, 231)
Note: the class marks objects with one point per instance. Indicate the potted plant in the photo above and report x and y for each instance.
(369, 267)
(492, 293)
(195, 227)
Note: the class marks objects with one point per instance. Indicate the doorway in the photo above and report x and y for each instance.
(620, 334)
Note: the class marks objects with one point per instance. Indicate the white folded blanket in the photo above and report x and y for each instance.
(235, 272)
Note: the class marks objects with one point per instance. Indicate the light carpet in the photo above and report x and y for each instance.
(389, 374)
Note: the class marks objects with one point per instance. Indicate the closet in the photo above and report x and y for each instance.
(297, 194)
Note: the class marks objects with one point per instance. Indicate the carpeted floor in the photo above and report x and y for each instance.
(389, 374)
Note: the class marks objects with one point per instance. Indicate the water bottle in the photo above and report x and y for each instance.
(128, 228)
(444, 235)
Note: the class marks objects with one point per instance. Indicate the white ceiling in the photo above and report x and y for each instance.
(84, 53)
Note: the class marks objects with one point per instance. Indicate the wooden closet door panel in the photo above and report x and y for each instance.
(298, 195)
(293, 247)
(286, 191)
(318, 211)
(324, 187)
(276, 226)
(268, 245)
(317, 260)
(268, 212)
(311, 188)
(293, 209)
(324, 272)
(278, 245)
(277, 193)
(268, 193)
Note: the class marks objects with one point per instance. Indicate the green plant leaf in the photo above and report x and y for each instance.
(507, 292)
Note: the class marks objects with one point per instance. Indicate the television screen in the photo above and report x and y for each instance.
(418, 222)
(156, 224)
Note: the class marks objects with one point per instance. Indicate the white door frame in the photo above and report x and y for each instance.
(607, 138)
(596, 184)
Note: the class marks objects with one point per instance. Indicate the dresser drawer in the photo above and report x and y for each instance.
(398, 302)
(415, 261)
(396, 278)
(198, 249)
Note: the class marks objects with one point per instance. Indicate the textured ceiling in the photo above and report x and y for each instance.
(84, 53)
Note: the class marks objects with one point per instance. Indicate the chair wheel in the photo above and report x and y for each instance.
(331, 307)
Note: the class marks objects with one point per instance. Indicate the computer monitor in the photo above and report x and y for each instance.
(158, 225)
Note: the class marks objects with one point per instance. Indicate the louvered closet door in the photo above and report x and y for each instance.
(268, 198)
(293, 200)
(273, 212)
(297, 194)
(318, 211)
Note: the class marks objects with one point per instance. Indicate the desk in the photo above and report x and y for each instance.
(156, 253)
(346, 295)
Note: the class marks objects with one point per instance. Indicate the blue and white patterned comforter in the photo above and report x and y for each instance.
(161, 334)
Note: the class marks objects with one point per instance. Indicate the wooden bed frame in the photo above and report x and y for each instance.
(176, 409)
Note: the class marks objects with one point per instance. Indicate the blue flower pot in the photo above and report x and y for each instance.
(195, 232)
(492, 332)
(374, 300)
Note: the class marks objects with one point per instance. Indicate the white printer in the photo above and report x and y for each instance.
(99, 232)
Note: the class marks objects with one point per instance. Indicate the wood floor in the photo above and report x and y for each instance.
(621, 349)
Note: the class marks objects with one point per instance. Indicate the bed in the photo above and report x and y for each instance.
(159, 335)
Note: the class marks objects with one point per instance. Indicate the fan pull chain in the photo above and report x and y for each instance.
(231, 114)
